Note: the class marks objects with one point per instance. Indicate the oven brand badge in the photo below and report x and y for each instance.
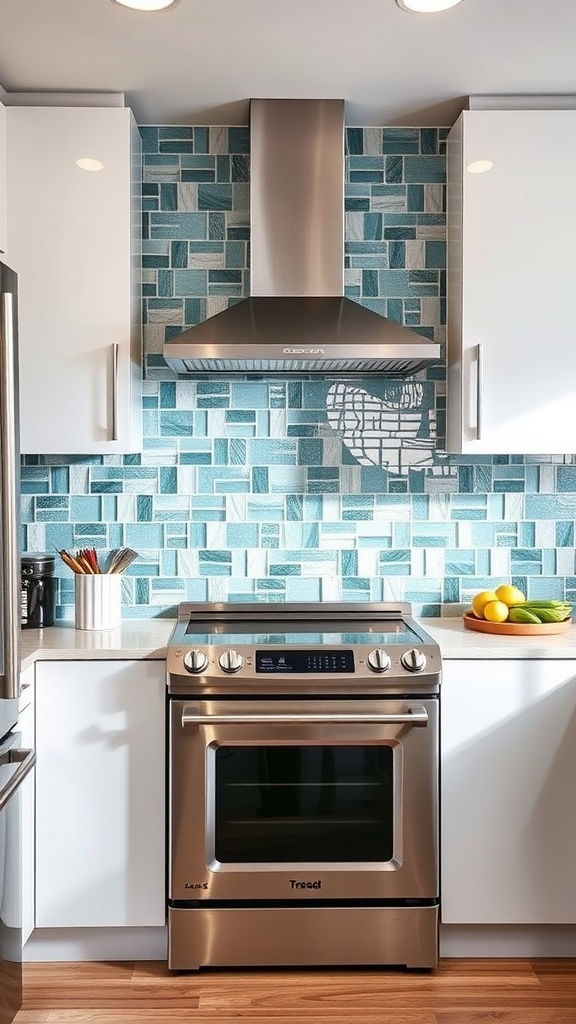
(293, 351)
(294, 884)
(196, 885)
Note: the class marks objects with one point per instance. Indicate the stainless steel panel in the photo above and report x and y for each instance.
(14, 767)
(9, 500)
(412, 873)
(216, 619)
(319, 936)
(300, 334)
(297, 197)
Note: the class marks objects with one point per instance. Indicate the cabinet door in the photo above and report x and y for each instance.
(71, 242)
(511, 272)
(508, 836)
(100, 820)
(3, 225)
(27, 740)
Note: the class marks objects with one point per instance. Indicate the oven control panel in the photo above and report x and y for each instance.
(303, 661)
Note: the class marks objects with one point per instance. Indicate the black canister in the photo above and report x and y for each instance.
(38, 590)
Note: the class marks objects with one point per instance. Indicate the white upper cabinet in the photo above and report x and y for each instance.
(512, 282)
(74, 241)
(3, 225)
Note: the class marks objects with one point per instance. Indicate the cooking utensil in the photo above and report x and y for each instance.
(86, 561)
(120, 559)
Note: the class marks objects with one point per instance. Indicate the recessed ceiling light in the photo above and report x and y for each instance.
(479, 166)
(88, 163)
(146, 5)
(427, 6)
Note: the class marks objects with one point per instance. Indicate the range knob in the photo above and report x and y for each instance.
(413, 660)
(378, 660)
(230, 661)
(195, 660)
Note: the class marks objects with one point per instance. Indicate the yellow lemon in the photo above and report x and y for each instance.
(496, 611)
(480, 601)
(510, 595)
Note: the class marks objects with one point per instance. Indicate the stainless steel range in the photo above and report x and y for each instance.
(303, 775)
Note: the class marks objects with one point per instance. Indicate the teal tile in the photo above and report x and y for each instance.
(429, 140)
(201, 140)
(394, 170)
(566, 479)
(178, 225)
(214, 197)
(400, 140)
(199, 174)
(565, 535)
(435, 254)
(175, 423)
(190, 282)
(144, 536)
(239, 140)
(150, 137)
(423, 169)
(354, 141)
(195, 162)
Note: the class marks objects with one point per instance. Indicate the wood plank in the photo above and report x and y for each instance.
(159, 1017)
(540, 1016)
(479, 991)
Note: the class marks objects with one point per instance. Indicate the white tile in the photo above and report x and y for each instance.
(500, 562)
(367, 562)
(236, 508)
(216, 536)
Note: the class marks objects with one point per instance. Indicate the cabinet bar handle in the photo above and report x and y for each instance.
(114, 392)
(479, 390)
(25, 759)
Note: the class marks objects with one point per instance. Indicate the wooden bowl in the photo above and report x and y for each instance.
(515, 628)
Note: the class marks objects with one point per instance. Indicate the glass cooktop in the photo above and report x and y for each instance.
(251, 633)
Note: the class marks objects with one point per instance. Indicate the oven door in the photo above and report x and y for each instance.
(304, 799)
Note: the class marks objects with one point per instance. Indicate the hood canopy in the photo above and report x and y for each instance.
(297, 318)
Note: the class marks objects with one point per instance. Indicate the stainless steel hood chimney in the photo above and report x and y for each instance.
(297, 318)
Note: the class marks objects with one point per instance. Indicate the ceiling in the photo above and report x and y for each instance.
(200, 62)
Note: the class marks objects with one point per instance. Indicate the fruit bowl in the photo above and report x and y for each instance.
(515, 628)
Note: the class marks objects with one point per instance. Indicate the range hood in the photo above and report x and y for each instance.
(297, 318)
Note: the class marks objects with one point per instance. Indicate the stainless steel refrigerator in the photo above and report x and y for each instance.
(15, 763)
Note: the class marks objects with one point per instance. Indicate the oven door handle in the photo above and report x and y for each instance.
(414, 716)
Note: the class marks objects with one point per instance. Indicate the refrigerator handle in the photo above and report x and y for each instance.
(10, 498)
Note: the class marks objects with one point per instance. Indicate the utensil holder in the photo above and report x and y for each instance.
(97, 600)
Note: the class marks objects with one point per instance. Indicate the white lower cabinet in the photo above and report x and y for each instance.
(508, 792)
(27, 741)
(100, 804)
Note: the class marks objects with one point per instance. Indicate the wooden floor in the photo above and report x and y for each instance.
(459, 992)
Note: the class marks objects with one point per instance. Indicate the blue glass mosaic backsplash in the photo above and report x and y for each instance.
(301, 489)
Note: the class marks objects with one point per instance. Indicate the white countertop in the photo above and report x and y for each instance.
(147, 638)
(134, 639)
(456, 641)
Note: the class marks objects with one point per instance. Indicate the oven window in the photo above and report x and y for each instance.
(282, 804)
